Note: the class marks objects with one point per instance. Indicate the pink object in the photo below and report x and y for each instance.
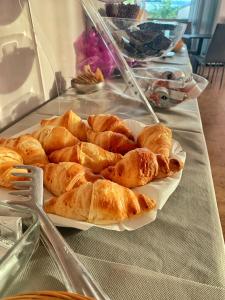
(91, 50)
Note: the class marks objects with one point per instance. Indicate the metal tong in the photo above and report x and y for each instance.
(75, 276)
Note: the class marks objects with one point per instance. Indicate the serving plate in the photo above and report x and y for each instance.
(160, 190)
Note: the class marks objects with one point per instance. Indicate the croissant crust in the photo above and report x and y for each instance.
(168, 167)
(54, 138)
(70, 121)
(137, 168)
(8, 159)
(102, 202)
(28, 147)
(62, 177)
(157, 138)
(111, 141)
(86, 154)
(100, 123)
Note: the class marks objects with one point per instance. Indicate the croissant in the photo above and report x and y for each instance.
(7, 179)
(137, 168)
(157, 138)
(100, 123)
(111, 141)
(168, 167)
(101, 202)
(70, 121)
(28, 147)
(54, 138)
(8, 159)
(86, 154)
(62, 177)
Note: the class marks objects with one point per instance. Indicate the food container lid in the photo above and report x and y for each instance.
(174, 77)
(167, 86)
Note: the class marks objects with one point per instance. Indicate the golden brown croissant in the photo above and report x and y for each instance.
(6, 178)
(86, 154)
(70, 121)
(111, 141)
(168, 167)
(137, 168)
(8, 159)
(102, 202)
(28, 147)
(157, 138)
(65, 176)
(100, 123)
(54, 138)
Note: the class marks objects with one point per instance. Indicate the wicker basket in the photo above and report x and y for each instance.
(48, 295)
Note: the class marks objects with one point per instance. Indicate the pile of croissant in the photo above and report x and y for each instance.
(90, 168)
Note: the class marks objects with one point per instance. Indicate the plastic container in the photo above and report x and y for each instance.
(20, 247)
(122, 9)
(144, 40)
(166, 86)
(118, 57)
(125, 10)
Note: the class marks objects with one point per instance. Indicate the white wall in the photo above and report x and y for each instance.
(56, 23)
(20, 80)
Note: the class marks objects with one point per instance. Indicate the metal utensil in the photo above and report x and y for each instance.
(88, 88)
(75, 275)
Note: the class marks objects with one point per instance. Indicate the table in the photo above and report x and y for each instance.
(180, 255)
(179, 60)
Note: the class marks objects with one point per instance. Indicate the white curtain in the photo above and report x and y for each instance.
(203, 15)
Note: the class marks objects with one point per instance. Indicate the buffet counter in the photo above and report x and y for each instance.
(178, 256)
